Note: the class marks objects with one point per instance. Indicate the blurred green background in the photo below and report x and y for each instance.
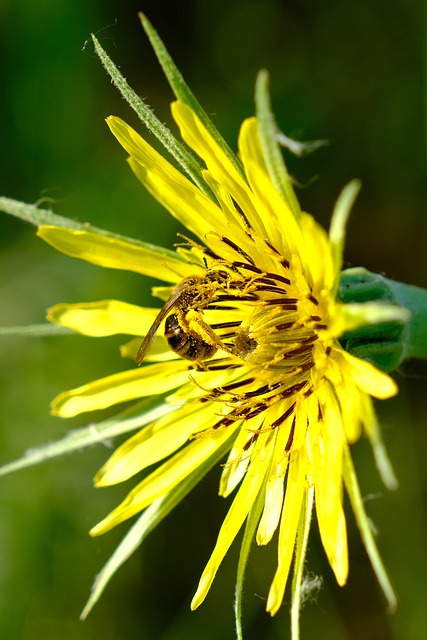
(348, 72)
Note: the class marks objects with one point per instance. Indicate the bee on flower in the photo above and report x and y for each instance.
(243, 352)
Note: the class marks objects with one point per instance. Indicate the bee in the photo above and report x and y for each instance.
(193, 293)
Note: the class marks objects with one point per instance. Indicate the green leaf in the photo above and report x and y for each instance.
(272, 152)
(148, 521)
(177, 150)
(45, 217)
(95, 433)
(33, 214)
(182, 90)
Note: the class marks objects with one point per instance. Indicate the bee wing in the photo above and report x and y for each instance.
(173, 300)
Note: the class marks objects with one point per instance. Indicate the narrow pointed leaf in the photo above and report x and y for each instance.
(272, 152)
(46, 218)
(339, 220)
(36, 330)
(148, 521)
(182, 90)
(177, 150)
(92, 434)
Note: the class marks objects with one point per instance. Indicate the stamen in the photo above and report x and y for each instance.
(306, 367)
(259, 408)
(285, 263)
(253, 438)
(291, 436)
(313, 300)
(282, 326)
(233, 416)
(267, 388)
(248, 267)
(235, 298)
(270, 288)
(236, 247)
(234, 385)
(298, 351)
(279, 278)
(290, 391)
(217, 366)
(284, 416)
(226, 325)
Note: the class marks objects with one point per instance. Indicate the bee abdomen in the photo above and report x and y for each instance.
(185, 342)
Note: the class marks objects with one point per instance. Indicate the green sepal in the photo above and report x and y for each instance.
(183, 92)
(387, 344)
(272, 152)
(365, 529)
(148, 521)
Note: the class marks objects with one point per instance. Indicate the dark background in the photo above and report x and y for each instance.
(351, 73)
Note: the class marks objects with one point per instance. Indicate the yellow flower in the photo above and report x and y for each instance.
(252, 366)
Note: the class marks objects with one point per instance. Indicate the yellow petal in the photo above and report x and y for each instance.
(295, 489)
(121, 387)
(173, 190)
(276, 221)
(217, 162)
(369, 378)
(238, 459)
(327, 450)
(272, 509)
(351, 316)
(103, 318)
(317, 247)
(159, 350)
(234, 519)
(115, 254)
(153, 443)
(164, 479)
(351, 401)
